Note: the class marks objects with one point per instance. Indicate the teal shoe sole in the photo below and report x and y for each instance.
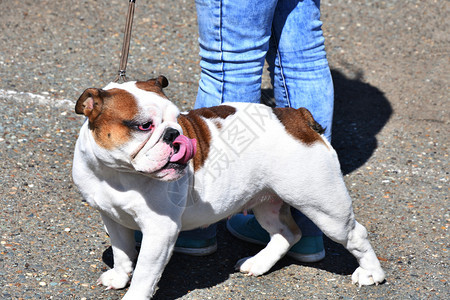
(195, 247)
(200, 247)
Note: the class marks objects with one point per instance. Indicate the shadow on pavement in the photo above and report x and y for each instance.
(361, 111)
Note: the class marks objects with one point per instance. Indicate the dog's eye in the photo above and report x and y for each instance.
(146, 126)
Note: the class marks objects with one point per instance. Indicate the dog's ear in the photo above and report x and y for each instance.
(162, 81)
(153, 85)
(90, 103)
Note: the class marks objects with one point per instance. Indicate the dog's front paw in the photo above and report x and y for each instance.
(252, 266)
(364, 277)
(113, 279)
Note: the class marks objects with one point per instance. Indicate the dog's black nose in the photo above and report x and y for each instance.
(170, 135)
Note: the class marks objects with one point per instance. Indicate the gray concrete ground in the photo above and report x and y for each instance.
(390, 63)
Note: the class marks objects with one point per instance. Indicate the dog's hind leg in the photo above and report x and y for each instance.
(355, 240)
(369, 272)
(331, 210)
(275, 217)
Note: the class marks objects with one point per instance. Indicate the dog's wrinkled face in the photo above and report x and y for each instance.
(134, 127)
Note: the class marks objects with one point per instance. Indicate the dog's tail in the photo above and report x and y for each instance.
(310, 120)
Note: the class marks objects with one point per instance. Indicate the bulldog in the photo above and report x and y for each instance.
(144, 166)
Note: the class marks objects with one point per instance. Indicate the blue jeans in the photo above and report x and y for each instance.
(237, 36)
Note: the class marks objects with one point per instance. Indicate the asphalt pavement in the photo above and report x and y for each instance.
(389, 61)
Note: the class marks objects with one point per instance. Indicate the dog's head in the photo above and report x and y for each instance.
(133, 127)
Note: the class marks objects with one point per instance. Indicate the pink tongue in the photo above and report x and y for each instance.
(187, 148)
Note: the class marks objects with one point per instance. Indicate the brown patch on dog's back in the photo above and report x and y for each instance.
(300, 124)
(219, 112)
(116, 106)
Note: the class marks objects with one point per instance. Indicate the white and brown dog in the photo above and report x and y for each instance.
(147, 167)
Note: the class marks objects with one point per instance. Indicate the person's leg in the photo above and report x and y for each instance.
(234, 39)
(300, 72)
(301, 78)
(297, 61)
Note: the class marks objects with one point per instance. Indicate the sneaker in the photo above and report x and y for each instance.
(189, 246)
(195, 247)
(246, 228)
